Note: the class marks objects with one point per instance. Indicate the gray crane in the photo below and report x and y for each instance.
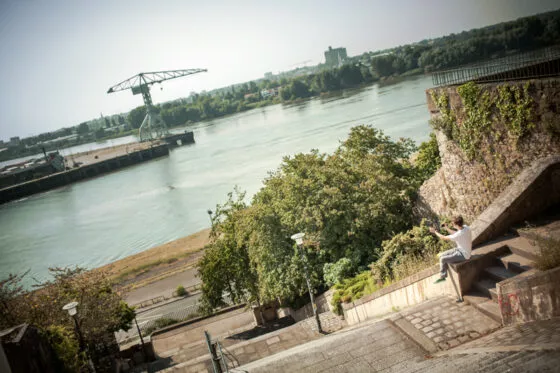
(153, 125)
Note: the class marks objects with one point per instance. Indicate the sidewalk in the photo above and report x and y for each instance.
(382, 346)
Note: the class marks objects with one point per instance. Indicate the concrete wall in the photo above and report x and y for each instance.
(323, 302)
(532, 296)
(468, 187)
(405, 293)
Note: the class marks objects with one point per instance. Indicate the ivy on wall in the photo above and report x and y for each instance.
(516, 109)
(513, 105)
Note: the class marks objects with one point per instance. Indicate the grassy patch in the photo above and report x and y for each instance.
(412, 264)
(549, 256)
(148, 266)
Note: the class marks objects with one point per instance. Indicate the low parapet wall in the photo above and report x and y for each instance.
(530, 297)
(405, 293)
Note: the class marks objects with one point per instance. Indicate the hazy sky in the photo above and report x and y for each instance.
(58, 58)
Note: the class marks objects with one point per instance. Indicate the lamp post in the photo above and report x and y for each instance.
(298, 237)
(72, 311)
(210, 216)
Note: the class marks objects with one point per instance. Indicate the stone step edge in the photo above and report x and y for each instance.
(417, 337)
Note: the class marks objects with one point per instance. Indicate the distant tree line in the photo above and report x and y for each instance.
(476, 45)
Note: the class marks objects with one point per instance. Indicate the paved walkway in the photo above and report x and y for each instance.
(381, 347)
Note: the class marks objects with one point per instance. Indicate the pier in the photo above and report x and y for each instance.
(88, 165)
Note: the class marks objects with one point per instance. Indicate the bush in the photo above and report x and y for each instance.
(352, 289)
(335, 272)
(407, 253)
(181, 291)
(65, 346)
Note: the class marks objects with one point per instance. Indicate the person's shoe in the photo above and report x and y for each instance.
(441, 279)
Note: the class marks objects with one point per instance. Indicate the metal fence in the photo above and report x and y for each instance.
(536, 64)
(153, 319)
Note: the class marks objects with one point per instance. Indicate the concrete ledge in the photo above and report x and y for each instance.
(533, 296)
(535, 189)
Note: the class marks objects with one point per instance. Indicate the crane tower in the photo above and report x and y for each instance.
(153, 125)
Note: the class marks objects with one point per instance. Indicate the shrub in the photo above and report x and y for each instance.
(352, 289)
(181, 291)
(335, 272)
(65, 346)
(407, 253)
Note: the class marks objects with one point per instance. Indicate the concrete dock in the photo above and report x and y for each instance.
(87, 165)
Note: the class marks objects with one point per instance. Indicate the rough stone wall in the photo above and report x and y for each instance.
(467, 187)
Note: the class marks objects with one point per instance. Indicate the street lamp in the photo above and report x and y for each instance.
(298, 237)
(72, 311)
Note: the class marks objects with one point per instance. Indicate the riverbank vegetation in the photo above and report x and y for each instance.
(348, 203)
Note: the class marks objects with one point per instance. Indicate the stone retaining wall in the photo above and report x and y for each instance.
(468, 187)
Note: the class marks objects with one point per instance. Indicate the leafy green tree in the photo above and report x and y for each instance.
(83, 128)
(100, 310)
(346, 203)
(226, 267)
(136, 116)
(428, 160)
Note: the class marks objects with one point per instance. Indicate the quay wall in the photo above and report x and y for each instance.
(81, 173)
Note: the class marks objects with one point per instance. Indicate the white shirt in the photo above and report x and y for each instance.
(463, 239)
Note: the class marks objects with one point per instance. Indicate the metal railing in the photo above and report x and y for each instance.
(536, 64)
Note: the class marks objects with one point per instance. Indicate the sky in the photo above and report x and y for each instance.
(58, 58)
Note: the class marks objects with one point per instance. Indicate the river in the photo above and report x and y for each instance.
(98, 221)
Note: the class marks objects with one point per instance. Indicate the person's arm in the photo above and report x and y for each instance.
(449, 229)
(441, 236)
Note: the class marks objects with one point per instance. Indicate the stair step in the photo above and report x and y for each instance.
(522, 247)
(488, 287)
(490, 309)
(499, 273)
(516, 263)
(475, 297)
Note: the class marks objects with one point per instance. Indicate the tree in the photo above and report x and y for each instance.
(83, 129)
(136, 116)
(100, 310)
(347, 203)
(226, 266)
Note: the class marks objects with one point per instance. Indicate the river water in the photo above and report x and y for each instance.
(100, 220)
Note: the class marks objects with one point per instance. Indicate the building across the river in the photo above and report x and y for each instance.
(335, 57)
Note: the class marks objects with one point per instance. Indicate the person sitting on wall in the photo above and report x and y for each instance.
(462, 237)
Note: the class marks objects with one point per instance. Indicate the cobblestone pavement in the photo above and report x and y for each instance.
(380, 347)
(448, 323)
